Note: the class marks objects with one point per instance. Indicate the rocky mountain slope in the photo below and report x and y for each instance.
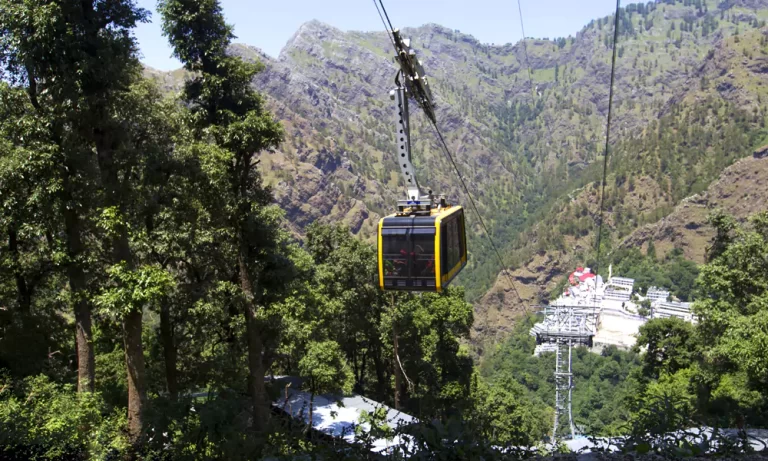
(690, 93)
(741, 190)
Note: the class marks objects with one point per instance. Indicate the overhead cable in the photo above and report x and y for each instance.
(607, 133)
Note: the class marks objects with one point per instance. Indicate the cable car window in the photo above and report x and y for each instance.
(451, 245)
(396, 252)
(423, 240)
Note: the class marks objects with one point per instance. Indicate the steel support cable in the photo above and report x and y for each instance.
(447, 153)
(607, 135)
(386, 15)
(388, 29)
(530, 72)
(608, 122)
(525, 52)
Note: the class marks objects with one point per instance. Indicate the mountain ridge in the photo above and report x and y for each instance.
(523, 145)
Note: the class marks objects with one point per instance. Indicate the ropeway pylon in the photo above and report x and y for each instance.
(563, 385)
(566, 324)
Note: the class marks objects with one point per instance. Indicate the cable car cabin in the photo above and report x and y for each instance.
(422, 253)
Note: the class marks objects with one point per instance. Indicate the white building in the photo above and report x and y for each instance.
(622, 283)
(617, 295)
(657, 294)
(667, 309)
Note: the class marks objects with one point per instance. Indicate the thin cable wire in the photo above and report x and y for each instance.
(389, 31)
(525, 51)
(447, 152)
(547, 123)
(387, 16)
(607, 134)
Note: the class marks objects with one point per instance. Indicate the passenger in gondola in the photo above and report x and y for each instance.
(400, 268)
(424, 267)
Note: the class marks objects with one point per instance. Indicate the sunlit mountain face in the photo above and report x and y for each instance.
(689, 99)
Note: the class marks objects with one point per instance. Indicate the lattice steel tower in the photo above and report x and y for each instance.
(565, 325)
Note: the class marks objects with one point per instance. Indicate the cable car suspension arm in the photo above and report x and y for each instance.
(410, 81)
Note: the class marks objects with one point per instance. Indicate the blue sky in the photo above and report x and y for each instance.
(268, 25)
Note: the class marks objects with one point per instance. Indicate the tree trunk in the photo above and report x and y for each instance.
(134, 354)
(382, 388)
(311, 412)
(255, 365)
(134, 361)
(23, 291)
(86, 363)
(169, 350)
(255, 346)
(132, 321)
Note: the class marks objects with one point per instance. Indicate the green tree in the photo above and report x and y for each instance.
(326, 371)
(31, 251)
(79, 63)
(733, 313)
(507, 417)
(228, 113)
(651, 251)
(437, 368)
(669, 346)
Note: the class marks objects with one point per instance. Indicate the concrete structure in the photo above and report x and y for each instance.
(617, 295)
(617, 328)
(657, 294)
(667, 309)
(622, 282)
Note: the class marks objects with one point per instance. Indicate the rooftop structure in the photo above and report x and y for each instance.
(667, 309)
(657, 294)
(622, 282)
(337, 416)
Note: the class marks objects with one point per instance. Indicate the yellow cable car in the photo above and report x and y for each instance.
(422, 252)
(423, 246)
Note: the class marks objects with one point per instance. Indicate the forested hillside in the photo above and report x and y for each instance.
(689, 100)
(168, 244)
(679, 375)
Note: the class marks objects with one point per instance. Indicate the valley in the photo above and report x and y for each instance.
(530, 149)
(191, 261)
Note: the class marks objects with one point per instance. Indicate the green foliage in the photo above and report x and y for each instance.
(430, 327)
(713, 372)
(732, 315)
(506, 416)
(669, 346)
(372, 425)
(674, 272)
(133, 289)
(336, 302)
(41, 419)
(112, 197)
(326, 369)
(602, 383)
